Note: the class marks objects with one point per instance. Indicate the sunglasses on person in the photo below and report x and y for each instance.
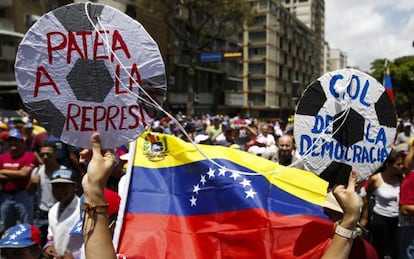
(48, 154)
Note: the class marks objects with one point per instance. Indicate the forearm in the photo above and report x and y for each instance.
(340, 246)
(13, 173)
(97, 235)
(407, 210)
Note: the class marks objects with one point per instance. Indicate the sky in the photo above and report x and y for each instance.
(370, 29)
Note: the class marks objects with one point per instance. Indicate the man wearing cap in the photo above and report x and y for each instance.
(21, 241)
(62, 216)
(15, 169)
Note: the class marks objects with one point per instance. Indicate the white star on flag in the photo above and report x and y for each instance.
(12, 237)
(250, 193)
(211, 173)
(245, 183)
(196, 188)
(235, 175)
(193, 201)
(222, 171)
(203, 179)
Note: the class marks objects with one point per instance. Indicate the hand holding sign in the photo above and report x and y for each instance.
(87, 67)
(345, 120)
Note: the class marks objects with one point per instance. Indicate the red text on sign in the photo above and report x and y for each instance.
(94, 118)
(40, 74)
(133, 75)
(77, 43)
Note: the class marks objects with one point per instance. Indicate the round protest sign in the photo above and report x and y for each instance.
(88, 67)
(345, 120)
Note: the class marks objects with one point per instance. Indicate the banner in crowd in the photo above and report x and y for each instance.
(88, 67)
(345, 120)
(179, 202)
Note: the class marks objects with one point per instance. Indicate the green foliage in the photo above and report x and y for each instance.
(402, 77)
(198, 23)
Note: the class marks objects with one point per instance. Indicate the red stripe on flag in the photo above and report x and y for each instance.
(242, 234)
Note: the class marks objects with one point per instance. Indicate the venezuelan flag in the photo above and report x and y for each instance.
(388, 84)
(180, 204)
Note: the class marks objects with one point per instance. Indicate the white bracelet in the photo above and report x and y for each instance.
(346, 233)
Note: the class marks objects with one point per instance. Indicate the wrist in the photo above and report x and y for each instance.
(345, 232)
(349, 222)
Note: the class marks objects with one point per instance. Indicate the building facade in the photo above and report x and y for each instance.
(280, 58)
(312, 14)
(16, 17)
(259, 71)
(337, 59)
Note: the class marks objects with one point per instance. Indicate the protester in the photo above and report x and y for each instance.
(214, 129)
(63, 216)
(286, 154)
(41, 187)
(227, 137)
(263, 144)
(405, 135)
(385, 186)
(21, 242)
(406, 217)
(97, 236)
(15, 169)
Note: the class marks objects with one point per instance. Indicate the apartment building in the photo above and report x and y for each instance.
(16, 17)
(337, 59)
(280, 57)
(312, 14)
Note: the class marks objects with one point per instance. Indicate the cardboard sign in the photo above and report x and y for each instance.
(82, 67)
(345, 120)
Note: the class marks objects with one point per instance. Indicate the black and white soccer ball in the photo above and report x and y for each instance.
(344, 121)
(72, 84)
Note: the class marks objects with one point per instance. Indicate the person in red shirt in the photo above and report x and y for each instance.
(406, 202)
(15, 169)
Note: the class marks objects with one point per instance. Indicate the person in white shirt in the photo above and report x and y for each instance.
(42, 188)
(264, 144)
(406, 134)
(63, 216)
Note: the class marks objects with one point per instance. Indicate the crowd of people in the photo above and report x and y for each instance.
(43, 195)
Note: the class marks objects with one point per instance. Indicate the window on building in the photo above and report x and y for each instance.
(257, 52)
(257, 99)
(259, 20)
(257, 36)
(257, 68)
(256, 83)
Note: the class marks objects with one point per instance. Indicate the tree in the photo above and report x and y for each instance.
(402, 75)
(197, 24)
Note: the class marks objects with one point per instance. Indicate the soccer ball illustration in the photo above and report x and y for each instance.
(88, 67)
(345, 120)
